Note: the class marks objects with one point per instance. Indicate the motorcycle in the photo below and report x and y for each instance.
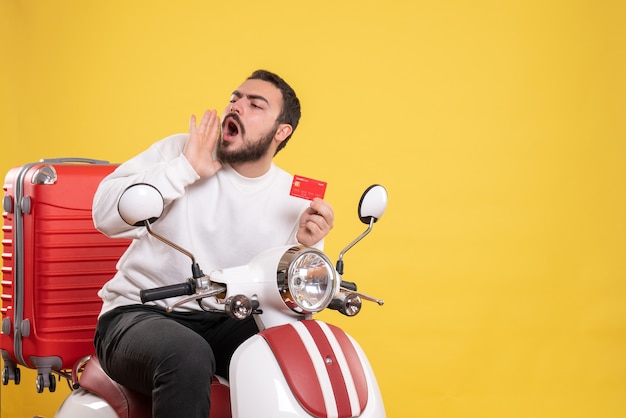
(295, 366)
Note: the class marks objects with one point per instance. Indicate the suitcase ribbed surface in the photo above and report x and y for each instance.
(72, 262)
(51, 273)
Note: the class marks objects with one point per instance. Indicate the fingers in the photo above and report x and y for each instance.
(316, 222)
(202, 140)
(192, 124)
(312, 232)
(209, 124)
(324, 210)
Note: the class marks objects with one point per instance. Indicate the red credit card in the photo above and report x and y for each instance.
(306, 188)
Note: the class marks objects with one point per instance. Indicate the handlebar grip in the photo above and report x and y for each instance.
(165, 292)
(335, 305)
(348, 285)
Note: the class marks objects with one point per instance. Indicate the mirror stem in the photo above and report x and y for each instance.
(359, 238)
(195, 268)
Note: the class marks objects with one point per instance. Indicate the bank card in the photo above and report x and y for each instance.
(306, 188)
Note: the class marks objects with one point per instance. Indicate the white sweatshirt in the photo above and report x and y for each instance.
(224, 221)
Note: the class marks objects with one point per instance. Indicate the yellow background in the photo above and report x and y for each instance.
(496, 126)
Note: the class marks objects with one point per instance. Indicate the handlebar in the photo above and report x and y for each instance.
(186, 288)
(348, 285)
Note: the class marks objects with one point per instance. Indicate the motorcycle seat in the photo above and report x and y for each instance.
(128, 403)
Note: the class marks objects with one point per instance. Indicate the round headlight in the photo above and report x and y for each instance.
(307, 280)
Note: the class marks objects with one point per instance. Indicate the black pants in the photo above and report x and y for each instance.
(171, 357)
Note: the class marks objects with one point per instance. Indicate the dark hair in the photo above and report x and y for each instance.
(290, 112)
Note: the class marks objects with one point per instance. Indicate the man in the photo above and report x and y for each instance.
(225, 202)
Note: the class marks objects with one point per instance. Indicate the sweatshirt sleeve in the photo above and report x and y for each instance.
(162, 166)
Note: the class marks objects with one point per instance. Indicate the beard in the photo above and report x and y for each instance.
(249, 151)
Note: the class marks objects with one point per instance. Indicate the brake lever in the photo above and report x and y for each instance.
(212, 291)
(363, 296)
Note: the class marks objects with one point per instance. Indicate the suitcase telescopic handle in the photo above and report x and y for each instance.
(187, 288)
(72, 160)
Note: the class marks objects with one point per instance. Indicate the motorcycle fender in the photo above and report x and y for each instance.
(259, 386)
(84, 404)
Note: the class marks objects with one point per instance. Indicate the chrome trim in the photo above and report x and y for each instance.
(282, 278)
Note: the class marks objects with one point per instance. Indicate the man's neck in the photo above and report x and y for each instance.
(253, 169)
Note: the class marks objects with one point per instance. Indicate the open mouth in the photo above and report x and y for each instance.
(231, 127)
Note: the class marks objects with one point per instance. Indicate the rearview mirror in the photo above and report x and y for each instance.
(140, 203)
(373, 204)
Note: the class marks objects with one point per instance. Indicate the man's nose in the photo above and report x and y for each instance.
(235, 107)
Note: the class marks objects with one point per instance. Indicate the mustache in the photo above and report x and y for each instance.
(237, 119)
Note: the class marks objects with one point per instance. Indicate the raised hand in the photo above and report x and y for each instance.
(201, 143)
(315, 222)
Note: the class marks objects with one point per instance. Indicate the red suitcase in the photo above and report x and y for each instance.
(54, 262)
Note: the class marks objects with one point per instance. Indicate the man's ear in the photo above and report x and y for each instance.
(283, 132)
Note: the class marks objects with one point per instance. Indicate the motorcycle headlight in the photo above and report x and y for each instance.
(307, 280)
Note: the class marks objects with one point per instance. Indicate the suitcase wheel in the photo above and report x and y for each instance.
(46, 381)
(10, 374)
